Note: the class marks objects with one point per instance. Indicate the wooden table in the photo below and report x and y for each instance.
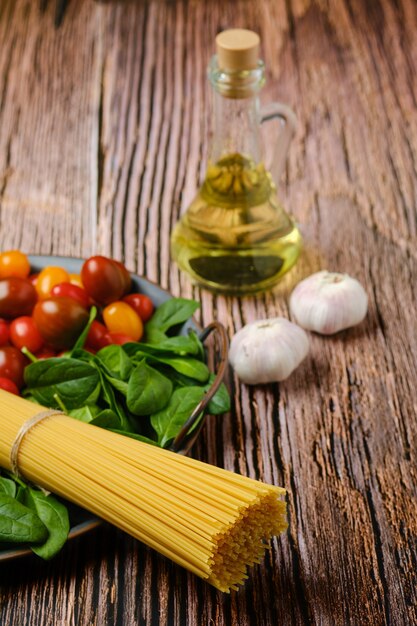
(103, 142)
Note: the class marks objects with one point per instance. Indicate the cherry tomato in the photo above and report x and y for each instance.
(140, 303)
(9, 385)
(119, 338)
(75, 279)
(12, 364)
(98, 336)
(24, 332)
(14, 263)
(72, 291)
(4, 333)
(119, 317)
(33, 279)
(48, 278)
(60, 321)
(17, 297)
(105, 280)
(45, 353)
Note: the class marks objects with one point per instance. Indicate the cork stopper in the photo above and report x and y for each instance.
(237, 49)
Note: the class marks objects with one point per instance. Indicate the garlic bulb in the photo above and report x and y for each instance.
(327, 302)
(268, 350)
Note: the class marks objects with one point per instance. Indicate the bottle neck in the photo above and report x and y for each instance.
(236, 112)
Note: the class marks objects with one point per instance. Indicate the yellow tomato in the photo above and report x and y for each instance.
(48, 278)
(75, 279)
(14, 263)
(119, 317)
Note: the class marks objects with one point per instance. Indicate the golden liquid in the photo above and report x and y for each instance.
(235, 237)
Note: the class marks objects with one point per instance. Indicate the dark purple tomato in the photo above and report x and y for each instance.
(105, 280)
(60, 321)
(17, 297)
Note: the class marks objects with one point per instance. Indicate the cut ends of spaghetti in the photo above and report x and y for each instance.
(244, 542)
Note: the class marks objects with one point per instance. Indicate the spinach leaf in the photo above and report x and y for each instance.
(181, 345)
(220, 402)
(8, 487)
(187, 366)
(154, 335)
(109, 397)
(134, 436)
(120, 385)
(171, 313)
(106, 419)
(85, 413)
(116, 361)
(148, 390)
(81, 339)
(73, 381)
(18, 523)
(168, 422)
(54, 515)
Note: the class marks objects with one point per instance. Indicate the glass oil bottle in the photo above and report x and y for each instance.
(236, 237)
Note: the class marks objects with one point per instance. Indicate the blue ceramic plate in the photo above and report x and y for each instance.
(82, 521)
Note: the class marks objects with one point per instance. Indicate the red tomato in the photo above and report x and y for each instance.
(9, 385)
(14, 263)
(72, 291)
(48, 278)
(119, 338)
(119, 317)
(17, 297)
(45, 353)
(98, 336)
(60, 321)
(140, 303)
(33, 279)
(12, 364)
(4, 333)
(105, 280)
(25, 333)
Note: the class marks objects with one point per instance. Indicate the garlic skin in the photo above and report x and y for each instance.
(328, 302)
(267, 351)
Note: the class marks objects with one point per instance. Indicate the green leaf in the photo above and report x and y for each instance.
(120, 385)
(54, 515)
(134, 436)
(220, 402)
(18, 524)
(175, 346)
(107, 419)
(168, 422)
(109, 397)
(148, 390)
(171, 313)
(74, 381)
(187, 366)
(81, 339)
(8, 487)
(85, 413)
(153, 335)
(116, 361)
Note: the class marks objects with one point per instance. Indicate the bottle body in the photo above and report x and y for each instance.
(235, 237)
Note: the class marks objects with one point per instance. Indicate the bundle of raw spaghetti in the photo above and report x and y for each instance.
(211, 521)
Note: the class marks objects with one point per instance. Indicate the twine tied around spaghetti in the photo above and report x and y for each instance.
(23, 430)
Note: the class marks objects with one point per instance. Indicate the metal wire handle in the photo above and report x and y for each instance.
(223, 346)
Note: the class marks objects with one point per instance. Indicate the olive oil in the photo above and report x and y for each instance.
(235, 237)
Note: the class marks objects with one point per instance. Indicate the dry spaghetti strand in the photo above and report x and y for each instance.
(211, 521)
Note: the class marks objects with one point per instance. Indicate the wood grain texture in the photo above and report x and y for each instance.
(103, 129)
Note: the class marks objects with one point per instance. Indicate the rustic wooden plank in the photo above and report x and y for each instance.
(49, 125)
(340, 434)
